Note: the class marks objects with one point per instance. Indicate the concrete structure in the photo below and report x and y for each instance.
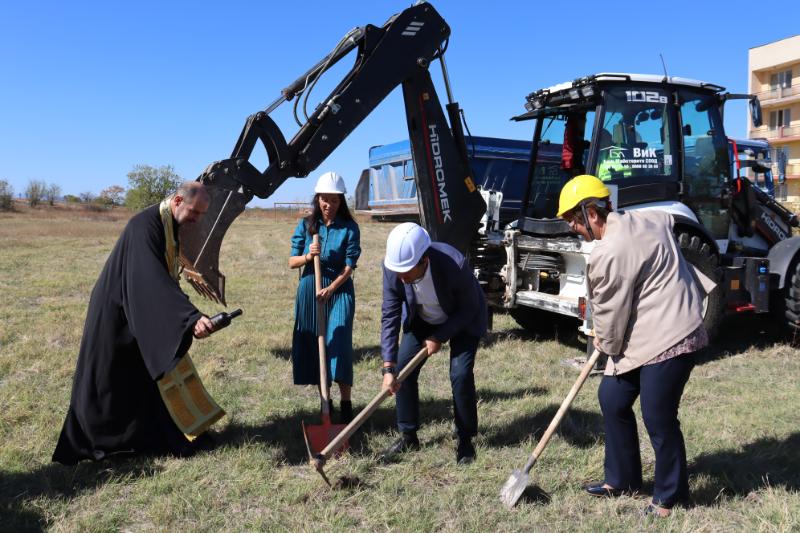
(774, 75)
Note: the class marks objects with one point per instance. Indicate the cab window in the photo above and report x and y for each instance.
(634, 138)
(706, 161)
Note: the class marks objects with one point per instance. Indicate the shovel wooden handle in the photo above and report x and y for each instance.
(365, 413)
(587, 368)
(321, 327)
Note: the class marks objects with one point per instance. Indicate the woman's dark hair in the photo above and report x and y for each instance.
(312, 220)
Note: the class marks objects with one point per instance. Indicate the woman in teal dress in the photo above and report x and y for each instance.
(339, 248)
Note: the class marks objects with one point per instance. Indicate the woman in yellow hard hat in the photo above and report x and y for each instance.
(579, 193)
(648, 319)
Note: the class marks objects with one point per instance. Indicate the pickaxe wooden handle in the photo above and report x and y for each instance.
(319, 460)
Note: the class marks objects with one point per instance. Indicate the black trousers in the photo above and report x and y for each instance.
(660, 387)
(463, 348)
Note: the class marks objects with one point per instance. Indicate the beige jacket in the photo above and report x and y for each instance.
(644, 295)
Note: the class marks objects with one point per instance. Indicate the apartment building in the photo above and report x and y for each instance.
(774, 75)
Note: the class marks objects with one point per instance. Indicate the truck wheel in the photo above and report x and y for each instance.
(793, 300)
(530, 319)
(699, 254)
(546, 324)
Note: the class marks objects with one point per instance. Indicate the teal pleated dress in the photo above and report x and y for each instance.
(340, 246)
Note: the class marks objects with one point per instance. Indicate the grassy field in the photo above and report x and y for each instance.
(739, 414)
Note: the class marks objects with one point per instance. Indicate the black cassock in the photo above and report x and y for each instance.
(138, 325)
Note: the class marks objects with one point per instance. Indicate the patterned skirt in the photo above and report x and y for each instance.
(340, 309)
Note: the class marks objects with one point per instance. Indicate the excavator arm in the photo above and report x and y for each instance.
(397, 54)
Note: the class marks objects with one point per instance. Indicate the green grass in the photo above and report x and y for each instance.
(739, 414)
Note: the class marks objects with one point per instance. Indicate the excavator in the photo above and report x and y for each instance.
(657, 141)
(399, 53)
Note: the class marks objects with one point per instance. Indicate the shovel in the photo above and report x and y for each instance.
(518, 481)
(317, 436)
(318, 460)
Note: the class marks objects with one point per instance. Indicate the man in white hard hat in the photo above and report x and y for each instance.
(430, 291)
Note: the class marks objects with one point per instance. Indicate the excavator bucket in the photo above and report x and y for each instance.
(200, 242)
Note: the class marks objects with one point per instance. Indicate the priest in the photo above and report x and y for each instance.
(138, 326)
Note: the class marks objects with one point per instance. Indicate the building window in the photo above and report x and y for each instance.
(780, 79)
(780, 118)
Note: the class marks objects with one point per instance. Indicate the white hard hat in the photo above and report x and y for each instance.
(405, 246)
(330, 183)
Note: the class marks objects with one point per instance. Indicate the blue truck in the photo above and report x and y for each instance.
(388, 190)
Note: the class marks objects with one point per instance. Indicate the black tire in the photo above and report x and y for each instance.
(700, 254)
(792, 300)
(546, 324)
(531, 319)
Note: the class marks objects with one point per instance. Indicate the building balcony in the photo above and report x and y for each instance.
(792, 172)
(788, 133)
(778, 95)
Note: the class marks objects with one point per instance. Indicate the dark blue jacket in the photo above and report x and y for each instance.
(457, 290)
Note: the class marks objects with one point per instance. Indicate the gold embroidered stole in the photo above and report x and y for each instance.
(191, 407)
(172, 250)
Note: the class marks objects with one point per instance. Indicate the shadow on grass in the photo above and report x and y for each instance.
(578, 427)
(18, 512)
(285, 433)
(535, 494)
(563, 330)
(361, 353)
(767, 462)
(741, 333)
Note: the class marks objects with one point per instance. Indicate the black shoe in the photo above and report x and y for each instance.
(406, 442)
(465, 453)
(597, 489)
(346, 415)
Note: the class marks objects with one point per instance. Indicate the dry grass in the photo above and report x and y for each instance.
(739, 415)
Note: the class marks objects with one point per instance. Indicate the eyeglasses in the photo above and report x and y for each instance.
(573, 219)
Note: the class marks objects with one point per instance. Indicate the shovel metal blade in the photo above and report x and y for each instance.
(513, 488)
(319, 436)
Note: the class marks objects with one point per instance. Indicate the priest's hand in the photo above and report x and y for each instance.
(203, 328)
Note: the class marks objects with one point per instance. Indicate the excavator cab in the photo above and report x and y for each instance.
(655, 139)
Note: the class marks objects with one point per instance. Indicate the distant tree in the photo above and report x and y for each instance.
(35, 192)
(114, 195)
(87, 197)
(52, 193)
(6, 196)
(149, 185)
(71, 199)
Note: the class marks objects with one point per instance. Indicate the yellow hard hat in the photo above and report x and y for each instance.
(579, 189)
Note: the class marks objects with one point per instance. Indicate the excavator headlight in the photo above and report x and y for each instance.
(587, 91)
(574, 94)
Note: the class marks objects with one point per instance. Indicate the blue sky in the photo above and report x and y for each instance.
(90, 89)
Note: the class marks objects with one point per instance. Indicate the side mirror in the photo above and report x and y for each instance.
(755, 111)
